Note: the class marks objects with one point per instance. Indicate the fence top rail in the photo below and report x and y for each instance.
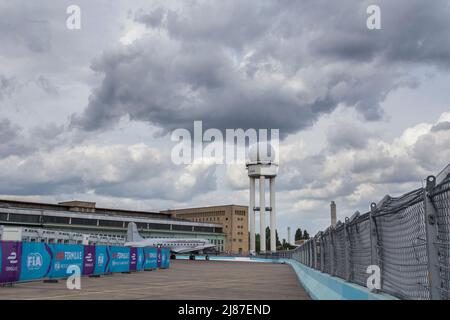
(352, 218)
(442, 186)
(393, 205)
(443, 175)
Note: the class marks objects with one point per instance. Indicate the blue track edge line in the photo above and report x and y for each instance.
(321, 286)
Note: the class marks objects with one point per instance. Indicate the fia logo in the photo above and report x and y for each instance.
(34, 261)
(101, 259)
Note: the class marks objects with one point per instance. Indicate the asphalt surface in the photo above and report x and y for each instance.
(183, 280)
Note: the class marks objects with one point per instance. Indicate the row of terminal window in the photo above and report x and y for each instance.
(27, 218)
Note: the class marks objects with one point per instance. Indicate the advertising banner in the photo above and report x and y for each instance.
(150, 259)
(25, 261)
(65, 255)
(11, 261)
(158, 257)
(141, 259)
(36, 261)
(89, 260)
(102, 260)
(165, 258)
(120, 259)
(133, 259)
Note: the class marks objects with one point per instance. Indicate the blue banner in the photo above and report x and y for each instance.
(141, 259)
(65, 255)
(150, 258)
(120, 259)
(36, 261)
(102, 260)
(165, 258)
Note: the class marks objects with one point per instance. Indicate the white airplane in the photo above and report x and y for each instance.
(175, 245)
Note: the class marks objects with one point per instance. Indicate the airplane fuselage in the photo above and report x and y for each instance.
(175, 245)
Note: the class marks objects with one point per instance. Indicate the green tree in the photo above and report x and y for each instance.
(258, 243)
(298, 234)
(278, 239)
(258, 240)
(305, 235)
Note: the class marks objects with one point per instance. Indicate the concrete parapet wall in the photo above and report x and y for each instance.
(321, 286)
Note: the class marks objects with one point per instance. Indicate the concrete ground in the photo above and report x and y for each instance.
(184, 280)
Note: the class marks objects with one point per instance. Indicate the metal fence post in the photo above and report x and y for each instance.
(314, 253)
(301, 254)
(347, 251)
(432, 236)
(332, 267)
(322, 250)
(307, 252)
(374, 253)
(310, 253)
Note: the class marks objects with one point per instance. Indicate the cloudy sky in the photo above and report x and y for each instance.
(87, 114)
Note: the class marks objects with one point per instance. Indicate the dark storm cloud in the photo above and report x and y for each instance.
(347, 136)
(7, 86)
(265, 64)
(7, 131)
(46, 85)
(21, 26)
(18, 141)
(442, 126)
(11, 142)
(153, 19)
(122, 171)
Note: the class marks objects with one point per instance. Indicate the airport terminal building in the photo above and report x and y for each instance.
(85, 217)
(232, 218)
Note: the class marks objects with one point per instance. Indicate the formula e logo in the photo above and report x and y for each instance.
(34, 261)
(89, 257)
(12, 258)
(120, 255)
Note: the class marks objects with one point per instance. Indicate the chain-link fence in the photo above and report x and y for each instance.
(407, 237)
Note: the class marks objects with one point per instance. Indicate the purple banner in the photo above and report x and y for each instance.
(89, 260)
(133, 259)
(158, 258)
(11, 261)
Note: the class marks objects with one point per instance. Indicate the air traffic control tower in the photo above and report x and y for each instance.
(261, 165)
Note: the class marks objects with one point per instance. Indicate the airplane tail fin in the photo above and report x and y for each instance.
(132, 233)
